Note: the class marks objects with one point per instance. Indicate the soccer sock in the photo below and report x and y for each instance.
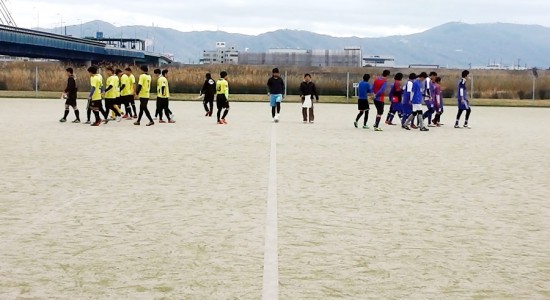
(378, 117)
(77, 114)
(366, 118)
(409, 119)
(219, 114)
(97, 118)
(88, 114)
(134, 110)
(468, 115)
(66, 113)
(420, 119)
(458, 116)
(359, 115)
(159, 113)
(273, 111)
(148, 114)
(278, 107)
(226, 111)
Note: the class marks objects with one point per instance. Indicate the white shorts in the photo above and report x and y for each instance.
(417, 107)
(308, 103)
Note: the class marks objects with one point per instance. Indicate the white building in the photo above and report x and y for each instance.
(378, 61)
(349, 57)
(223, 54)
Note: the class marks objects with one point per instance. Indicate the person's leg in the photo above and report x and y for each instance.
(211, 103)
(133, 104)
(273, 111)
(468, 112)
(460, 110)
(157, 108)
(311, 114)
(379, 112)
(66, 113)
(205, 104)
(366, 119)
(420, 118)
(304, 114)
(225, 112)
(278, 107)
(146, 110)
(76, 113)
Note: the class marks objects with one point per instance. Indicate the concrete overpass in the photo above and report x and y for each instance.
(21, 42)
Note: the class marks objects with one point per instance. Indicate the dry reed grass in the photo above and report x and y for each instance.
(488, 84)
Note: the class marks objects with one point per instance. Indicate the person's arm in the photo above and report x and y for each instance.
(122, 87)
(108, 88)
(204, 88)
(283, 87)
(269, 84)
(138, 89)
(314, 88)
(92, 91)
(381, 91)
(227, 91)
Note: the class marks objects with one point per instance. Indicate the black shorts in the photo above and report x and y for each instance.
(96, 104)
(363, 104)
(70, 101)
(110, 102)
(208, 98)
(128, 99)
(221, 102)
(379, 107)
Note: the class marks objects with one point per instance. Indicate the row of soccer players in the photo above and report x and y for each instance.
(406, 100)
(119, 91)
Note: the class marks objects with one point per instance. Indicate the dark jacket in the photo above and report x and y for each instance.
(71, 90)
(276, 86)
(309, 88)
(209, 88)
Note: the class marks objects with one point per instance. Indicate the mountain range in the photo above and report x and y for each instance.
(449, 45)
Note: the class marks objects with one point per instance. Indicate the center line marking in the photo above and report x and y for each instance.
(270, 289)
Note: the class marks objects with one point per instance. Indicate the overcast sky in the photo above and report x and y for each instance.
(363, 18)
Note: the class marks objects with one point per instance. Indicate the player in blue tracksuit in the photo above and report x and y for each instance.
(406, 105)
(429, 98)
(396, 93)
(463, 102)
(364, 91)
(416, 100)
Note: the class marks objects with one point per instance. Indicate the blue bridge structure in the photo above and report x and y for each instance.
(20, 42)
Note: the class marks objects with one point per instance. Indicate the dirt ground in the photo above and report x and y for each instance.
(177, 211)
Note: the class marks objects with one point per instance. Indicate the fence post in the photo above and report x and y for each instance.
(347, 88)
(286, 83)
(36, 82)
(472, 94)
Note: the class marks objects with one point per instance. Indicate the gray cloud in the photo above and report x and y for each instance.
(342, 18)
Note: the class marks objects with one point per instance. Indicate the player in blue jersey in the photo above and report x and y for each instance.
(416, 100)
(406, 104)
(463, 102)
(396, 93)
(429, 99)
(364, 91)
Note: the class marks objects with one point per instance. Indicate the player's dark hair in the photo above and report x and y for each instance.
(144, 68)
(398, 76)
(465, 73)
(275, 70)
(366, 77)
(423, 75)
(438, 80)
(164, 72)
(92, 69)
(156, 71)
(307, 75)
(208, 76)
(70, 70)
(128, 69)
(412, 76)
(223, 74)
(433, 74)
(110, 69)
(386, 73)
(118, 71)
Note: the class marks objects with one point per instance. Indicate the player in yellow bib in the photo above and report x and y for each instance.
(112, 93)
(222, 97)
(129, 92)
(94, 99)
(163, 94)
(143, 93)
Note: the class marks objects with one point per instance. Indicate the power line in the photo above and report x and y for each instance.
(5, 16)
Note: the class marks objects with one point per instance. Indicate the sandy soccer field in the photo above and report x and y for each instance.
(181, 211)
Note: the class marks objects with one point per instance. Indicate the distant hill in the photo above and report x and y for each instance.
(451, 44)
